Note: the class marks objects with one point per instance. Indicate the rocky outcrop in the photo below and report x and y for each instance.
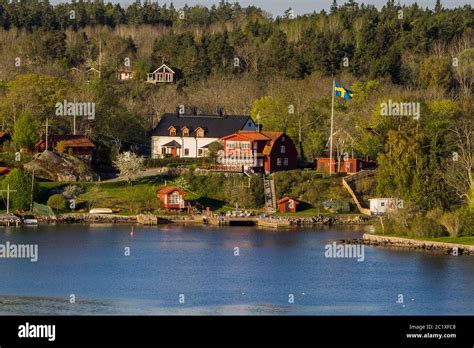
(60, 167)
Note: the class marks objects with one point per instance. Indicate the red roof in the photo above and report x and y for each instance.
(169, 189)
(69, 140)
(286, 198)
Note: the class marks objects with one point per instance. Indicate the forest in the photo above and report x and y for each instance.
(279, 70)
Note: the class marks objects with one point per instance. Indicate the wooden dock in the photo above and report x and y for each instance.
(147, 219)
(9, 220)
(245, 221)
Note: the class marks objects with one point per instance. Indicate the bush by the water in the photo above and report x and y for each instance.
(20, 184)
(57, 202)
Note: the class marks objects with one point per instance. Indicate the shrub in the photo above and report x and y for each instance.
(466, 215)
(20, 181)
(57, 202)
(424, 227)
(72, 191)
(452, 222)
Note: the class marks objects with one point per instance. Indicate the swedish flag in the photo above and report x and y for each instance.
(342, 92)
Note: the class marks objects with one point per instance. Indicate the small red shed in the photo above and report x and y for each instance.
(287, 205)
(172, 198)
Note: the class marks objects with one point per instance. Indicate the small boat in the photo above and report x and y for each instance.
(274, 224)
(29, 220)
(100, 211)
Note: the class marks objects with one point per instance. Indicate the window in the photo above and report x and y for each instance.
(255, 146)
(278, 161)
(160, 77)
(382, 204)
(172, 131)
(174, 198)
(168, 77)
(282, 149)
(230, 144)
(285, 161)
(163, 150)
(283, 138)
(200, 132)
(186, 152)
(200, 152)
(245, 145)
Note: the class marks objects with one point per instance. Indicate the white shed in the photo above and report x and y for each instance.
(382, 205)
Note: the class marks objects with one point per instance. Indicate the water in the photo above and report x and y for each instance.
(199, 262)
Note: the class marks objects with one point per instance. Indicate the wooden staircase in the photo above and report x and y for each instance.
(349, 179)
(269, 191)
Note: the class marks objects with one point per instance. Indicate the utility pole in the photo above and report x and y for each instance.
(100, 56)
(32, 189)
(74, 118)
(332, 125)
(8, 197)
(46, 134)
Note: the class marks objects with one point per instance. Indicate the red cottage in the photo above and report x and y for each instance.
(75, 145)
(347, 166)
(172, 198)
(259, 151)
(287, 205)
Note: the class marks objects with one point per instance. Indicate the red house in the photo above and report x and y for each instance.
(259, 151)
(287, 205)
(347, 166)
(75, 145)
(172, 198)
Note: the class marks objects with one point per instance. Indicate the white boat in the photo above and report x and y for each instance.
(29, 220)
(100, 211)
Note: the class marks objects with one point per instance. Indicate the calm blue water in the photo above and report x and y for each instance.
(199, 262)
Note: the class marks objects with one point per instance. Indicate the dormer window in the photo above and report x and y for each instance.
(199, 132)
(172, 131)
(185, 131)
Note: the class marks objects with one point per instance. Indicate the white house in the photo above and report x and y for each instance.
(189, 136)
(379, 206)
(163, 74)
(125, 75)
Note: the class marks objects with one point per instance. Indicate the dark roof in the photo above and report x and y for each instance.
(215, 126)
(172, 143)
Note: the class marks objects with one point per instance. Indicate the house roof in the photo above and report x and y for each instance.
(286, 198)
(166, 67)
(172, 143)
(169, 189)
(217, 126)
(253, 135)
(69, 140)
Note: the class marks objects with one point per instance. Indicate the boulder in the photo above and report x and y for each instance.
(60, 167)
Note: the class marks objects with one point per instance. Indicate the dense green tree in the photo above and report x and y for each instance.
(20, 181)
(25, 134)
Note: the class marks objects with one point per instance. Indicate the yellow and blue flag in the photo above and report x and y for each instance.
(342, 92)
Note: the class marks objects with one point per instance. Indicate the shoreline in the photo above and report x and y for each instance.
(413, 244)
(200, 219)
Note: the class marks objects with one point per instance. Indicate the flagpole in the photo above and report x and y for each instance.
(332, 121)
